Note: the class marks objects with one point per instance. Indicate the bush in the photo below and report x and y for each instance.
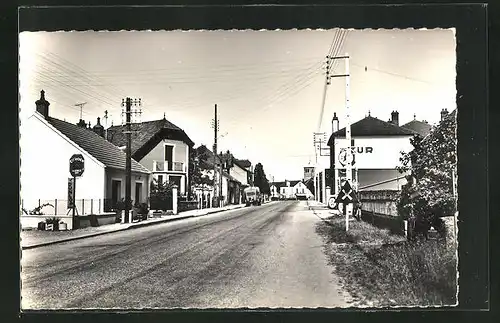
(142, 210)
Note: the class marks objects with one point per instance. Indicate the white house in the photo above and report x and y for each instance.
(161, 147)
(47, 144)
(284, 190)
(378, 146)
(301, 191)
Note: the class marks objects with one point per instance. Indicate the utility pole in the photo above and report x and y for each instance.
(349, 151)
(127, 103)
(320, 193)
(220, 182)
(215, 125)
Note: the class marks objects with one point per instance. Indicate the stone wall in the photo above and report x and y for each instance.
(381, 202)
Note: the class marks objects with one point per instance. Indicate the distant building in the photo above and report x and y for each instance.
(48, 143)
(161, 147)
(423, 128)
(308, 173)
(235, 176)
(301, 191)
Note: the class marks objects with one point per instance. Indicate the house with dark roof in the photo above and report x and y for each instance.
(161, 147)
(288, 189)
(47, 144)
(378, 146)
(423, 128)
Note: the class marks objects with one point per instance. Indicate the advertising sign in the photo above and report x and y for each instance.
(71, 194)
(76, 165)
(372, 153)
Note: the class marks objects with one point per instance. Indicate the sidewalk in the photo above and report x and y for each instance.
(321, 210)
(34, 238)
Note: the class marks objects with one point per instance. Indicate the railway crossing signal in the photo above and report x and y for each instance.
(346, 194)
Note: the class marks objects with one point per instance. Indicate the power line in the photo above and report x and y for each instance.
(396, 74)
(218, 68)
(68, 73)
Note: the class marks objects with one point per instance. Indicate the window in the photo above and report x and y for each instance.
(116, 188)
(169, 154)
(160, 178)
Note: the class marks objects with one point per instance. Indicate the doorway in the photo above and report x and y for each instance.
(116, 190)
(138, 193)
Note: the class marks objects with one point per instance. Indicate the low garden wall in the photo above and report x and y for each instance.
(102, 219)
(31, 221)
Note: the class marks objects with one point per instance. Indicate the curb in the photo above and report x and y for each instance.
(133, 226)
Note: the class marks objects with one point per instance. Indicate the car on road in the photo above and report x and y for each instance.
(252, 196)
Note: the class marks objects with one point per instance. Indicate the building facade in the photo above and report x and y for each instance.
(378, 146)
(48, 143)
(161, 147)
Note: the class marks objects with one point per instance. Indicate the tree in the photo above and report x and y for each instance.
(160, 195)
(260, 179)
(431, 164)
(198, 162)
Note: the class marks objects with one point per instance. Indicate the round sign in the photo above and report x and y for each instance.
(345, 158)
(331, 202)
(76, 165)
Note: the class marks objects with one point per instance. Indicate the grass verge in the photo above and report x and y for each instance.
(381, 270)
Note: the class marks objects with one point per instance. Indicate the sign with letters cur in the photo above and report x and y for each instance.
(372, 152)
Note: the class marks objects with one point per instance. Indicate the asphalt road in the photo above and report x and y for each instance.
(266, 256)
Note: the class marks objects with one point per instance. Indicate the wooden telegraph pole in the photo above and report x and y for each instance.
(127, 103)
(349, 207)
(215, 125)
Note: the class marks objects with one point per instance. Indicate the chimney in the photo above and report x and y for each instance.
(395, 118)
(335, 123)
(82, 123)
(444, 113)
(98, 128)
(42, 105)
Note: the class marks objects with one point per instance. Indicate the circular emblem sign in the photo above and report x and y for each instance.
(76, 165)
(345, 158)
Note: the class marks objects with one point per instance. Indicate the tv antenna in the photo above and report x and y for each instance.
(81, 108)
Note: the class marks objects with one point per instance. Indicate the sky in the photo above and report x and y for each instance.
(268, 85)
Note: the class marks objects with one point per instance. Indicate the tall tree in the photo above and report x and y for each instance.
(260, 179)
(430, 167)
(198, 163)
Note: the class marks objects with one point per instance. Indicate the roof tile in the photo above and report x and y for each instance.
(372, 127)
(101, 149)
